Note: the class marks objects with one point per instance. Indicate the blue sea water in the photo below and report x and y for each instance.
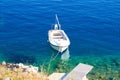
(93, 27)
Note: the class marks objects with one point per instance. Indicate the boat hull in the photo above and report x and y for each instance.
(59, 48)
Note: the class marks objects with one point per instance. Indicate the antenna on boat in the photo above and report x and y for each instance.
(58, 22)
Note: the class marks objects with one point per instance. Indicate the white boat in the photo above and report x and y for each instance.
(58, 38)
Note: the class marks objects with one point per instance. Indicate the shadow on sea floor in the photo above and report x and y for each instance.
(20, 58)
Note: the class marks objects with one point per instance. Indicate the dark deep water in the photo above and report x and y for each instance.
(93, 27)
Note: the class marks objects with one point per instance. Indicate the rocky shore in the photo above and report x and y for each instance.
(10, 71)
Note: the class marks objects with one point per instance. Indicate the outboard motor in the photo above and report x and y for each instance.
(56, 27)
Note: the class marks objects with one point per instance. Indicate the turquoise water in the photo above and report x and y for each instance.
(93, 27)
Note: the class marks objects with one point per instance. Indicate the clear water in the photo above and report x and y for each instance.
(93, 27)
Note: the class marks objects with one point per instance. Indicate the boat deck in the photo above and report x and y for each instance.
(58, 35)
(58, 38)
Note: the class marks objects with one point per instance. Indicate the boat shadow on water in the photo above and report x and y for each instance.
(65, 55)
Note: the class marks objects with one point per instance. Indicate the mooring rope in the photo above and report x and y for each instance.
(55, 56)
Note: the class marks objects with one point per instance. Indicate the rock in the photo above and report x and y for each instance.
(4, 63)
(20, 65)
(31, 69)
(36, 68)
(17, 65)
(8, 78)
